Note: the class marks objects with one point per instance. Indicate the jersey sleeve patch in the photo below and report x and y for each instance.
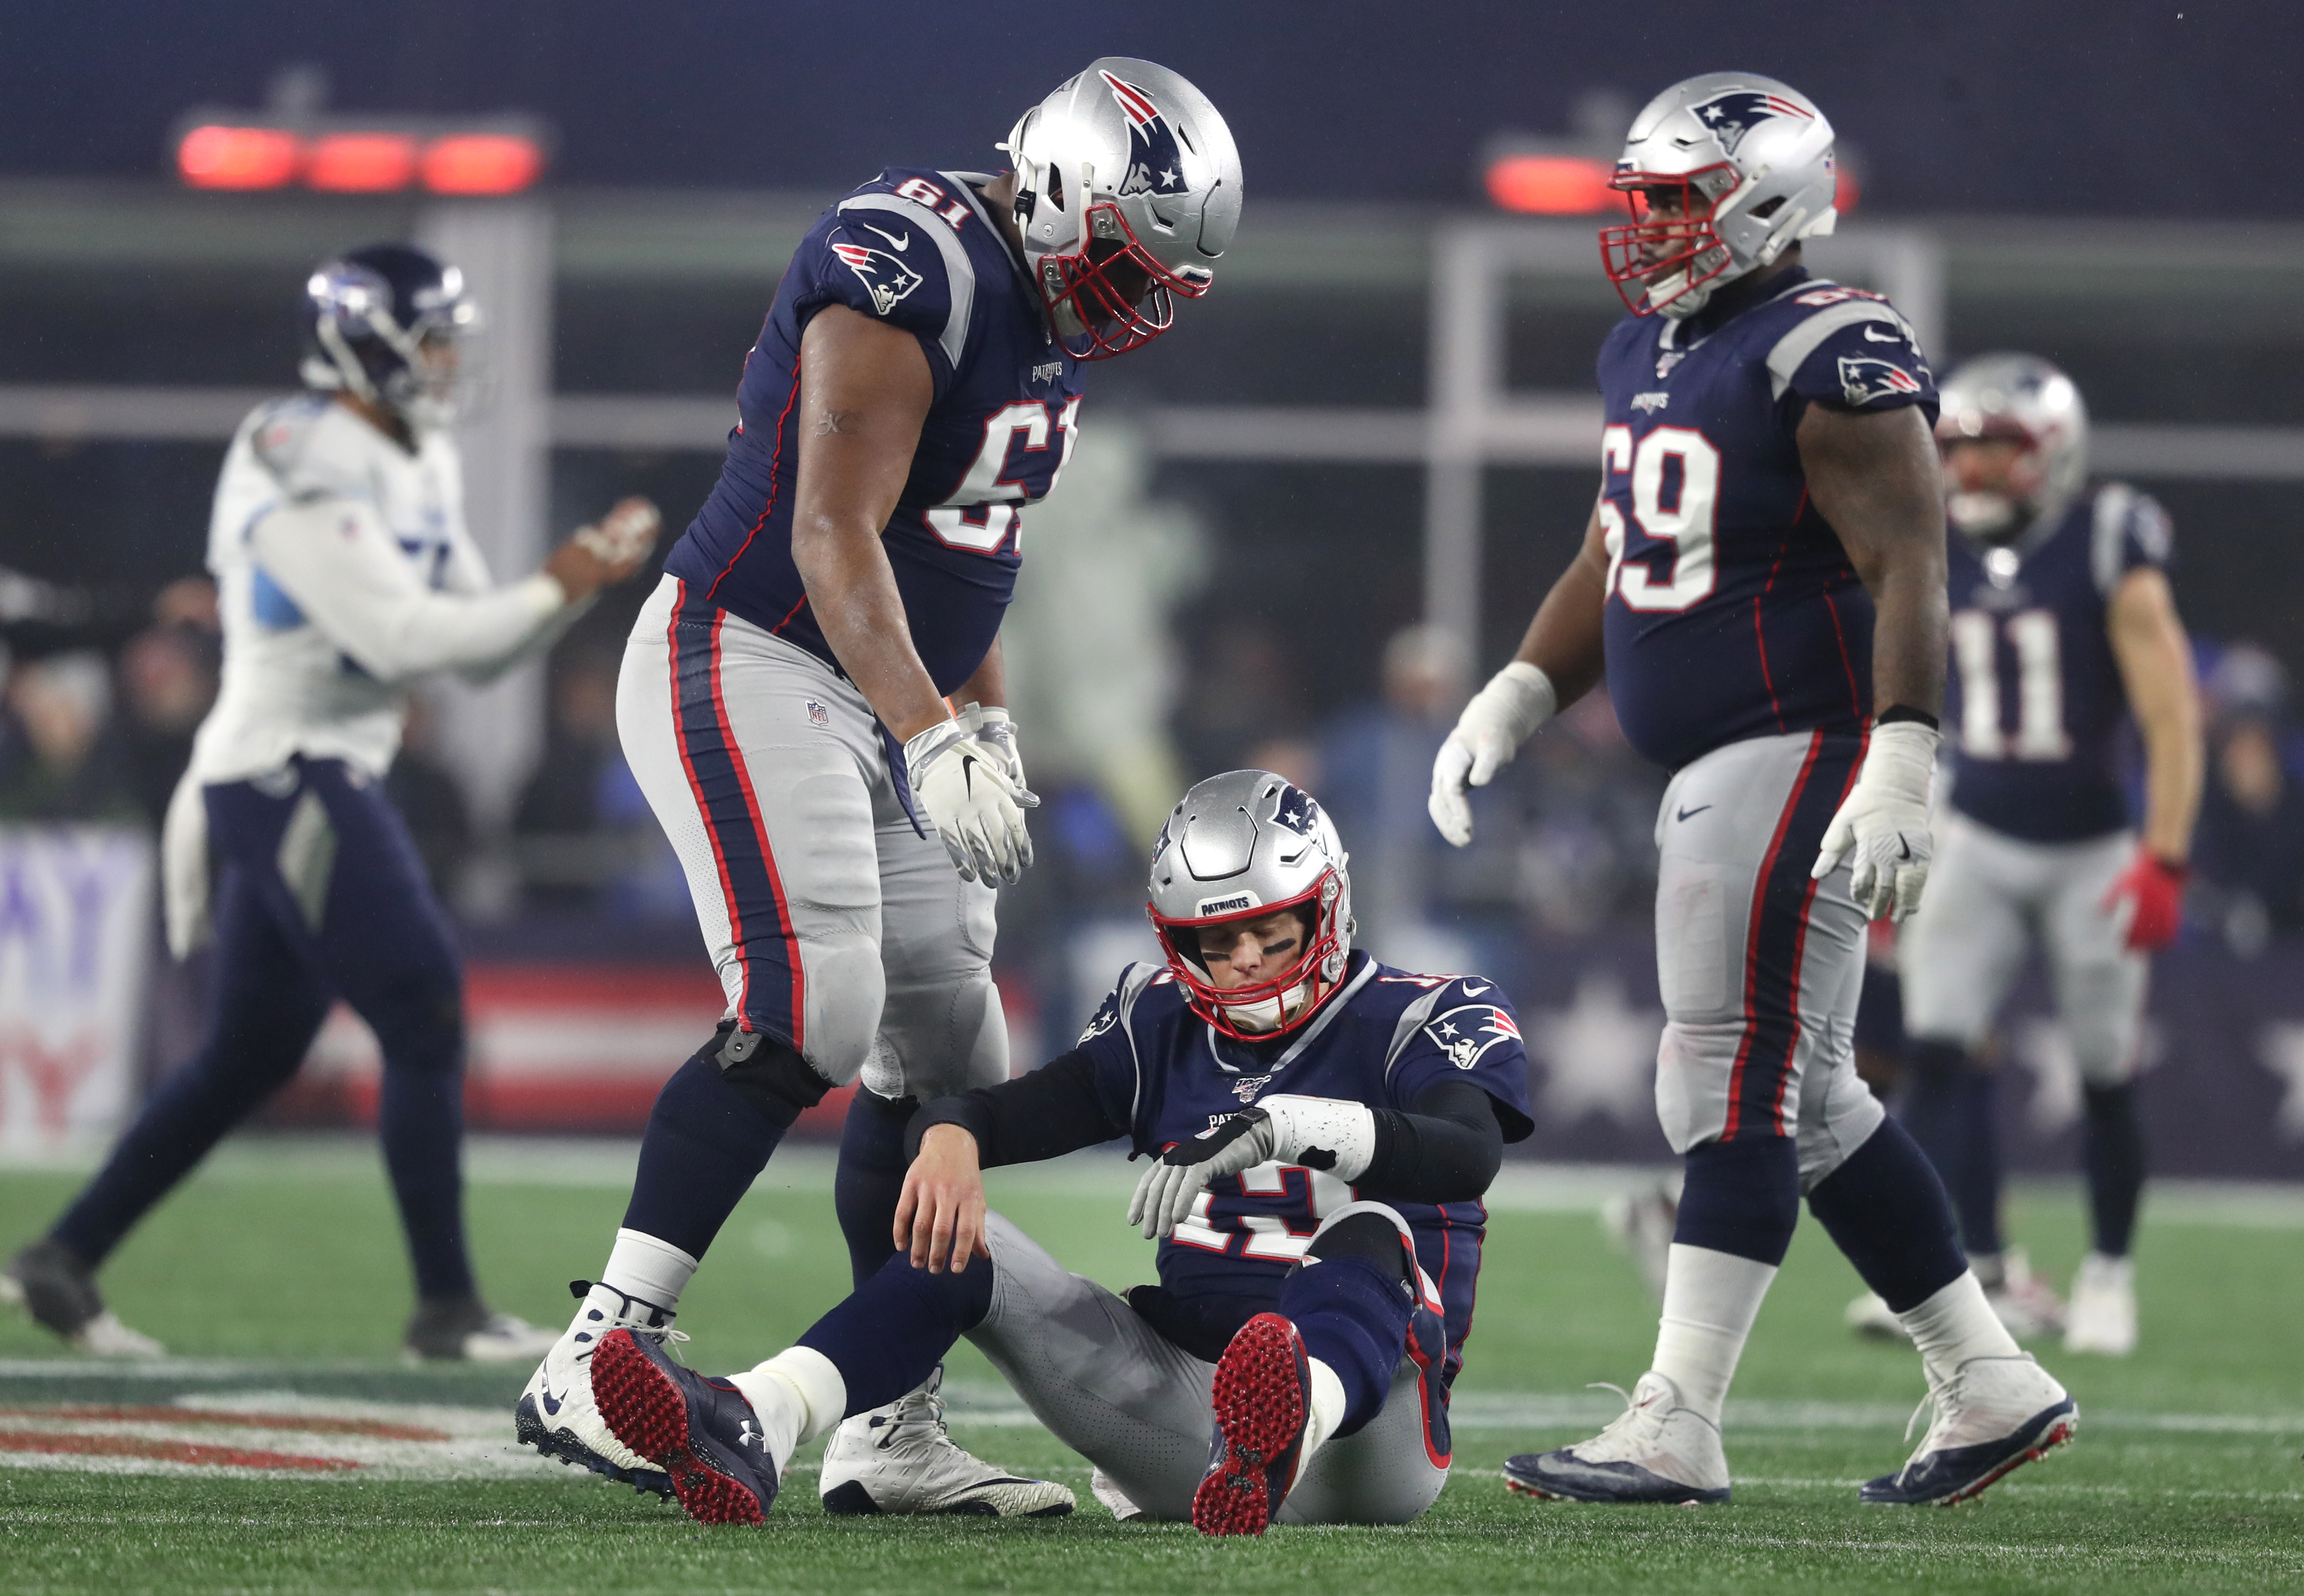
(1462, 1036)
(1853, 351)
(2130, 530)
(892, 257)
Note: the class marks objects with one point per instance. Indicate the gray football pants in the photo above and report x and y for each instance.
(1989, 895)
(832, 922)
(1140, 1408)
(1759, 966)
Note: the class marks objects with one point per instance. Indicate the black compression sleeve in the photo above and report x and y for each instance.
(1448, 1151)
(1045, 1115)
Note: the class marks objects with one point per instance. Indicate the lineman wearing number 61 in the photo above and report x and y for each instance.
(1763, 583)
(783, 698)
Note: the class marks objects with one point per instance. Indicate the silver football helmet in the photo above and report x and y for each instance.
(1723, 173)
(1240, 847)
(2027, 401)
(1126, 187)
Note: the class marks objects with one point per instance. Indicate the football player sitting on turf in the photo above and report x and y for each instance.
(1322, 1128)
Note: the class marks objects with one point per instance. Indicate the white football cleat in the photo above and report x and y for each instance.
(2026, 1304)
(1994, 1415)
(556, 1414)
(50, 1283)
(1654, 1451)
(1869, 1315)
(899, 1459)
(2102, 1318)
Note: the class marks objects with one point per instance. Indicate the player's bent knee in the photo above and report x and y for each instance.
(1369, 1230)
(846, 995)
(768, 1073)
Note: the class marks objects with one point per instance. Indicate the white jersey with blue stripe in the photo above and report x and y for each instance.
(343, 569)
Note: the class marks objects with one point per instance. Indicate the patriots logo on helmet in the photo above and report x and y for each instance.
(1863, 380)
(1464, 1033)
(1297, 812)
(1154, 166)
(888, 278)
(1736, 113)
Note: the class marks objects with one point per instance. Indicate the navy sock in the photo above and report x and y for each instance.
(421, 1122)
(2114, 1150)
(894, 1328)
(1741, 1197)
(1352, 1313)
(1948, 1112)
(870, 1179)
(1886, 1209)
(705, 1143)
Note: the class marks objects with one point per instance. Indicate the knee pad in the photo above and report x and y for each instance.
(1374, 1234)
(1694, 1065)
(845, 994)
(939, 1037)
(767, 1072)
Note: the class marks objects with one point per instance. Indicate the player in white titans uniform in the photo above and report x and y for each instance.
(345, 572)
(785, 696)
(2062, 626)
(1762, 581)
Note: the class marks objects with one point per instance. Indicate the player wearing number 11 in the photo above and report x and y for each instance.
(1763, 581)
(787, 695)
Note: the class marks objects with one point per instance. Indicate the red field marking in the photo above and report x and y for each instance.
(378, 1428)
(128, 1445)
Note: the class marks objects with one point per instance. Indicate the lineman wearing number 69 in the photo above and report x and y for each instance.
(783, 698)
(1763, 583)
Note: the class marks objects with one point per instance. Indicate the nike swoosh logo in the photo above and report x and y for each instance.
(552, 1403)
(1868, 333)
(1472, 991)
(900, 243)
(1698, 810)
(1904, 849)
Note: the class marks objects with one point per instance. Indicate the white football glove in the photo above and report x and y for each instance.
(1501, 717)
(1884, 824)
(990, 723)
(623, 537)
(960, 785)
(1326, 1134)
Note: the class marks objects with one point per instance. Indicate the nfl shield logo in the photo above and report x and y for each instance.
(817, 714)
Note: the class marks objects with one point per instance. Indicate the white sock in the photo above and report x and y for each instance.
(652, 1270)
(1710, 1299)
(1327, 1412)
(1956, 1325)
(799, 1394)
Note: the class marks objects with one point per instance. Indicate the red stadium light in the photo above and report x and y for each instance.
(357, 163)
(239, 157)
(481, 163)
(1552, 185)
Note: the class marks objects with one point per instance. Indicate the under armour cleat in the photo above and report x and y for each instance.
(699, 1430)
(1994, 1415)
(51, 1284)
(1654, 1451)
(899, 1459)
(2102, 1318)
(555, 1414)
(462, 1329)
(1263, 1399)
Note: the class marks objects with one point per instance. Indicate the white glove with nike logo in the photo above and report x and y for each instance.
(961, 783)
(1329, 1133)
(1883, 825)
(1501, 717)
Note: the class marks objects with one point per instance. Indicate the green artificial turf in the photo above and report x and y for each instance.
(284, 1261)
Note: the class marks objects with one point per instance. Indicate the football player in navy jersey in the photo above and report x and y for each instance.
(2063, 625)
(1762, 583)
(788, 695)
(1322, 1128)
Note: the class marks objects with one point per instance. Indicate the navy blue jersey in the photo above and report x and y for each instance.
(1732, 610)
(917, 249)
(1382, 1040)
(2034, 702)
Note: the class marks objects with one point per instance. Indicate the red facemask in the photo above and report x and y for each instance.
(1086, 280)
(1179, 939)
(1650, 248)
